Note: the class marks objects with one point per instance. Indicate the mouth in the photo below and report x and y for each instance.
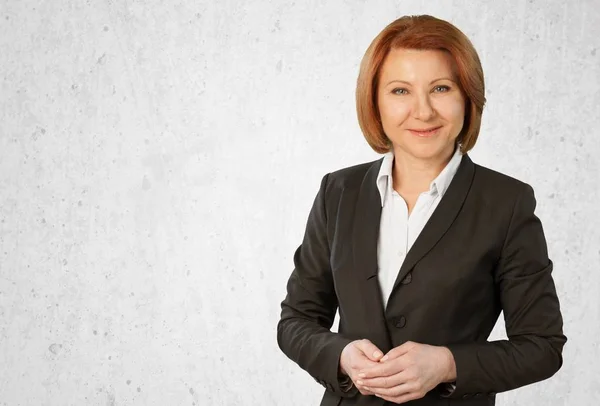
(426, 132)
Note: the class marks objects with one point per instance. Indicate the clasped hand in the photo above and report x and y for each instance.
(405, 373)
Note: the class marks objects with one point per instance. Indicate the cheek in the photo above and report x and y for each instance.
(453, 112)
(393, 112)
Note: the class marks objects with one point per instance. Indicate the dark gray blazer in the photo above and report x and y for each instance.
(482, 251)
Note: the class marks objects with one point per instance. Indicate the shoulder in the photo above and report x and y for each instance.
(498, 181)
(353, 176)
(500, 187)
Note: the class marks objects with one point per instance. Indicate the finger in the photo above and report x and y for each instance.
(394, 392)
(383, 369)
(377, 370)
(381, 382)
(364, 391)
(398, 351)
(402, 398)
(370, 350)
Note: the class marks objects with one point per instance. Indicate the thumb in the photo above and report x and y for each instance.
(370, 350)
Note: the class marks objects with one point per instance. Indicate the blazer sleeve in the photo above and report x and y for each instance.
(534, 325)
(308, 310)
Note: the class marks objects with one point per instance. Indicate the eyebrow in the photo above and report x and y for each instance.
(408, 83)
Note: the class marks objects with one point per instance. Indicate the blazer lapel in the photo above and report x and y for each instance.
(441, 219)
(365, 232)
(365, 236)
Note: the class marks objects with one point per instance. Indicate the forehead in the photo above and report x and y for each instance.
(415, 64)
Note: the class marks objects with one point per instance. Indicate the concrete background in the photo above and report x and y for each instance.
(158, 161)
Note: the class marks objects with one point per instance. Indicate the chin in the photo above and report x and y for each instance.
(427, 152)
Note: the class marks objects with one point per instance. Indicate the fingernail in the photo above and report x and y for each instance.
(377, 354)
(385, 358)
(359, 382)
(362, 375)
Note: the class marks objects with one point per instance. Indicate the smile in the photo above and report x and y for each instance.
(425, 132)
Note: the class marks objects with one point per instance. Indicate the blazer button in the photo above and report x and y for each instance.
(407, 279)
(401, 322)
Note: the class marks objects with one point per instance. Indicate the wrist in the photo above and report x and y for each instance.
(341, 370)
(450, 370)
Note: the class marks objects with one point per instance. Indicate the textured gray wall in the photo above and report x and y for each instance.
(158, 161)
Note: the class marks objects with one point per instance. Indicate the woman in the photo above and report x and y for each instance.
(421, 250)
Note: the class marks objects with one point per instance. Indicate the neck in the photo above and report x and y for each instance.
(414, 175)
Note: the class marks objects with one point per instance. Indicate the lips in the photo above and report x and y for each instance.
(426, 132)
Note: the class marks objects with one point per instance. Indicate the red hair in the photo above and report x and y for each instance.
(420, 32)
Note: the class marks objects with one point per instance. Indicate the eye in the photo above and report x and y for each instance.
(441, 89)
(399, 91)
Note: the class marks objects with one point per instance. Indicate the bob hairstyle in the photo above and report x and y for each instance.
(426, 33)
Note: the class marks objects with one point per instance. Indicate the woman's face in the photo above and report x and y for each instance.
(421, 106)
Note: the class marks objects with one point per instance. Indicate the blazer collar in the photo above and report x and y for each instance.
(367, 217)
(441, 219)
(438, 185)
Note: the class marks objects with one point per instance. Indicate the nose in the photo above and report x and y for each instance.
(422, 109)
